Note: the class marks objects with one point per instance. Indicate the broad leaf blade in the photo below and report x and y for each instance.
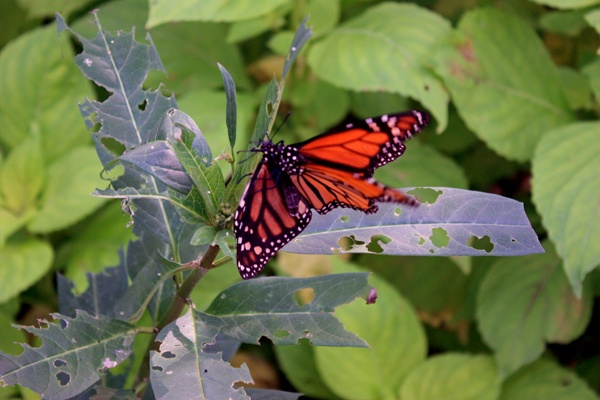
(457, 216)
(182, 370)
(503, 82)
(266, 307)
(453, 376)
(566, 191)
(387, 48)
(72, 357)
(523, 303)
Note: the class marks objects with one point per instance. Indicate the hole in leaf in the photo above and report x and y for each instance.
(345, 218)
(481, 244)
(269, 108)
(63, 378)
(374, 246)
(168, 354)
(96, 128)
(60, 363)
(142, 105)
(304, 296)
(275, 318)
(157, 368)
(426, 195)
(431, 251)
(165, 92)
(421, 241)
(439, 237)
(205, 371)
(113, 146)
(281, 333)
(398, 211)
(63, 324)
(348, 242)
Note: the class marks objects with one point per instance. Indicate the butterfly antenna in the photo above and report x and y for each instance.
(284, 120)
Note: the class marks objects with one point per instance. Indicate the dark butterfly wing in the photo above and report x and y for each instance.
(263, 224)
(326, 188)
(366, 145)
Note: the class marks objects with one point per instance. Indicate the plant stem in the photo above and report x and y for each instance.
(181, 299)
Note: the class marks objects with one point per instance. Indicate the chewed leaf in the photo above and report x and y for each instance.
(450, 222)
(181, 369)
(266, 307)
(74, 354)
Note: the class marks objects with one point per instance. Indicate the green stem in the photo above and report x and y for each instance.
(181, 299)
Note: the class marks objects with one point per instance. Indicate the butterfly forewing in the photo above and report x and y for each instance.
(366, 145)
(263, 224)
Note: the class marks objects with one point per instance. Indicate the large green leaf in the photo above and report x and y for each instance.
(567, 4)
(22, 264)
(386, 48)
(40, 88)
(503, 82)
(523, 303)
(397, 344)
(423, 165)
(182, 370)
(66, 198)
(453, 376)
(566, 191)
(266, 307)
(547, 380)
(47, 8)
(74, 354)
(22, 176)
(162, 11)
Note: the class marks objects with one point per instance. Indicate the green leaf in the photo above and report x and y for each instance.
(14, 21)
(280, 42)
(46, 105)
(386, 48)
(10, 223)
(66, 198)
(21, 265)
(369, 104)
(523, 303)
(75, 353)
(182, 370)
(231, 113)
(567, 4)
(423, 165)
(249, 28)
(569, 23)
(298, 364)
(593, 18)
(592, 72)
(9, 337)
(566, 192)
(266, 307)
(453, 376)
(576, 87)
(162, 11)
(503, 82)
(47, 8)
(324, 15)
(22, 176)
(397, 345)
(94, 245)
(213, 283)
(547, 380)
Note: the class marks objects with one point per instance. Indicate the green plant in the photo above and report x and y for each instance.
(519, 303)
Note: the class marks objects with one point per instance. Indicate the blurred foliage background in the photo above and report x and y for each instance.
(513, 87)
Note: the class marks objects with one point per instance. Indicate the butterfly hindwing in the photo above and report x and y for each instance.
(263, 224)
(326, 188)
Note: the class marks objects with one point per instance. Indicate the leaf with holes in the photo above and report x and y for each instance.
(266, 307)
(449, 222)
(75, 353)
(130, 116)
(181, 369)
(523, 303)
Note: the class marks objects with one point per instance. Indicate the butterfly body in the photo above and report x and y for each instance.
(332, 170)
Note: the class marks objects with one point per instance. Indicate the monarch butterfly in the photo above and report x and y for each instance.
(331, 170)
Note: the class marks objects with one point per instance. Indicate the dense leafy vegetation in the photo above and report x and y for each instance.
(513, 89)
